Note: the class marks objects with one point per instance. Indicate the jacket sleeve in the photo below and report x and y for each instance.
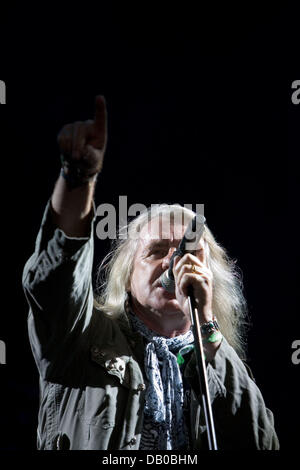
(57, 280)
(241, 417)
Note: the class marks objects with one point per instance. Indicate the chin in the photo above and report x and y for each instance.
(168, 306)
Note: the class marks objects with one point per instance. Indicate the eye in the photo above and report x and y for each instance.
(158, 252)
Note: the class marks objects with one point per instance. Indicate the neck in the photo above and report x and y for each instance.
(170, 326)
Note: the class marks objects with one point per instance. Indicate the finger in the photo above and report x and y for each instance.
(194, 269)
(93, 157)
(188, 269)
(187, 259)
(201, 254)
(176, 262)
(100, 121)
(192, 280)
(83, 133)
(177, 258)
(64, 140)
(78, 140)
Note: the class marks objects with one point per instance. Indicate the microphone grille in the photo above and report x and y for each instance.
(167, 283)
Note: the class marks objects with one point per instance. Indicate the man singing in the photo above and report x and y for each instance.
(119, 371)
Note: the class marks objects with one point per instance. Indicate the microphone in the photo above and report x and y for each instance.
(188, 244)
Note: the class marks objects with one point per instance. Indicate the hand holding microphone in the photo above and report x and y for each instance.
(187, 271)
(188, 243)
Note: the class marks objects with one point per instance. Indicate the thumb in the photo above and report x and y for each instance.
(176, 260)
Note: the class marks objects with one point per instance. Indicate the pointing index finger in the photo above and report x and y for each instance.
(100, 114)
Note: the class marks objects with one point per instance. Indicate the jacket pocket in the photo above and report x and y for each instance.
(97, 407)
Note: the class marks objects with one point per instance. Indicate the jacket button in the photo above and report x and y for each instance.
(133, 441)
(141, 387)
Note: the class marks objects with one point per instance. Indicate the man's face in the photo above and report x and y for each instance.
(158, 241)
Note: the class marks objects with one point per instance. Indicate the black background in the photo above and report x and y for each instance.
(200, 111)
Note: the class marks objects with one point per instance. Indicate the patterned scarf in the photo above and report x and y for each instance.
(164, 427)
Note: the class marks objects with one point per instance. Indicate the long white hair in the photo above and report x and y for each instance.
(114, 273)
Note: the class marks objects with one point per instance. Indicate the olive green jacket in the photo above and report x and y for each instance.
(92, 384)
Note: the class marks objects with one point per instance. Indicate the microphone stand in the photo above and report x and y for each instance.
(195, 229)
(204, 390)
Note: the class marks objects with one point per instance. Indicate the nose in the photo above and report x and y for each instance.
(167, 258)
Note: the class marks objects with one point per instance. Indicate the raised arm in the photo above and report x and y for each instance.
(82, 146)
(57, 278)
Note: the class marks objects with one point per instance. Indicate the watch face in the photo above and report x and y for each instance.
(209, 327)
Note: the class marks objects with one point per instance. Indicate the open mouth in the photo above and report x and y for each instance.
(170, 295)
(157, 284)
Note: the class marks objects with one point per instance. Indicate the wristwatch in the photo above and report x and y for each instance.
(211, 331)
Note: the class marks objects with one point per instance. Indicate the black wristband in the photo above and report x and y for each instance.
(75, 175)
(75, 179)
